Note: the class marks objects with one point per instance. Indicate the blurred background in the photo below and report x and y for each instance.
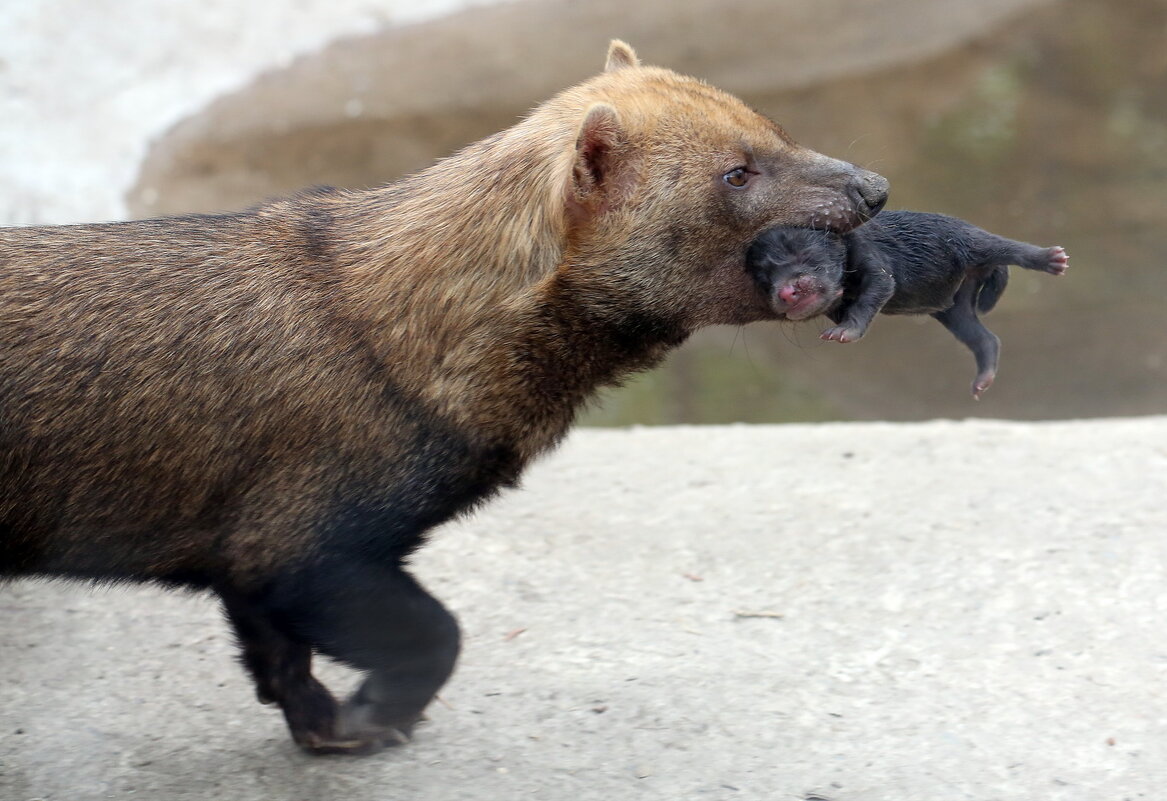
(1042, 121)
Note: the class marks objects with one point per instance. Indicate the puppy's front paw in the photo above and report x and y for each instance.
(841, 333)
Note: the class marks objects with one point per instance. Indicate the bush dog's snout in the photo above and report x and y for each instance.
(868, 190)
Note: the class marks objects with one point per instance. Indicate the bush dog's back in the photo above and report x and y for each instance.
(277, 404)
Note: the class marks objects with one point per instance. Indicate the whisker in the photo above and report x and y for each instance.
(856, 141)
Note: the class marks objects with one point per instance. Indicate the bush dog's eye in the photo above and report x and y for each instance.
(737, 177)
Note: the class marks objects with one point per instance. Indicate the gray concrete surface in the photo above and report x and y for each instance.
(866, 612)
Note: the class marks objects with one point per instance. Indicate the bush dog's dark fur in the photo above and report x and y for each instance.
(276, 405)
(902, 262)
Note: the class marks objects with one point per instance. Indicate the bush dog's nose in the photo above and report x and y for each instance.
(869, 191)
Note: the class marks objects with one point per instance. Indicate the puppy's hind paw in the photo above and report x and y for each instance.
(981, 383)
(1059, 261)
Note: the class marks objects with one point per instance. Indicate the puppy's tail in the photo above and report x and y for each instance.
(992, 288)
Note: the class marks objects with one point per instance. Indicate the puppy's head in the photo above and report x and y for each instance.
(800, 270)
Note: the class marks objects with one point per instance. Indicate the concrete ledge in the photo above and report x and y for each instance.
(872, 612)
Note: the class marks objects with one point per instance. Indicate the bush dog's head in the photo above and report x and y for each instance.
(800, 270)
(669, 182)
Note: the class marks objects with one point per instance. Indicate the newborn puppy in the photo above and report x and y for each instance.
(901, 262)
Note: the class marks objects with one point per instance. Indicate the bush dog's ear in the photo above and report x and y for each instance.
(599, 172)
(620, 56)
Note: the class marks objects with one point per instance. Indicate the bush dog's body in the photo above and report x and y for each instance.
(903, 262)
(277, 404)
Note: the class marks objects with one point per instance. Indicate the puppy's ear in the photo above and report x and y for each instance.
(620, 56)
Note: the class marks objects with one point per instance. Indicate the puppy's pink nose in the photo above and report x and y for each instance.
(789, 293)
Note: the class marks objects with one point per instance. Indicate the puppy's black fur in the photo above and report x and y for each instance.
(901, 262)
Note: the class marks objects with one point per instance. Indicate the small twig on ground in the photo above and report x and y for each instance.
(746, 613)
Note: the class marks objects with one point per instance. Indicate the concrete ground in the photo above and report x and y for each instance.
(856, 612)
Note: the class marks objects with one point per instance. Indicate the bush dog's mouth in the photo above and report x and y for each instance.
(841, 215)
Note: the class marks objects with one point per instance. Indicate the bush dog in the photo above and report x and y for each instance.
(903, 262)
(276, 405)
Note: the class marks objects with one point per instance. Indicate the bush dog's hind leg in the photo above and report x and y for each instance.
(961, 319)
(282, 669)
(374, 617)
